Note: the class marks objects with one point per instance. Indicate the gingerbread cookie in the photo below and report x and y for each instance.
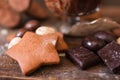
(36, 47)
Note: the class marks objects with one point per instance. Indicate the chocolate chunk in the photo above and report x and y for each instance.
(82, 57)
(21, 32)
(32, 25)
(110, 54)
(108, 37)
(93, 43)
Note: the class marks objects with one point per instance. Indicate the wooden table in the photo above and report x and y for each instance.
(66, 70)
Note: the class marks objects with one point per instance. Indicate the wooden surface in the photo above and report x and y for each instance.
(10, 70)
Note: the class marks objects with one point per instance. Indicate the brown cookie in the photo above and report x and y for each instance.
(61, 44)
(34, 51)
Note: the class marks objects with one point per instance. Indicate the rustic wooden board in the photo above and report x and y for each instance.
(66, 70)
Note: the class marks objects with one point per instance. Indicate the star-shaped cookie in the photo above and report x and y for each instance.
(34, 51)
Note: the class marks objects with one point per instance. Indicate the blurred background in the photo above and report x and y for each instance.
(13, 15)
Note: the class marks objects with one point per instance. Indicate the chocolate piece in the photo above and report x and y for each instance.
(32, 25)
(108, 37)
(93, 43)
(82, 57)
(21, 32)
(110, 54)
(34, 51)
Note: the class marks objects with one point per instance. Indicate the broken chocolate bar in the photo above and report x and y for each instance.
(82, 57)
(110, 54)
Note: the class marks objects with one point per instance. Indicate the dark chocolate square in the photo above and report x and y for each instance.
(110, 54)
(82, 57)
